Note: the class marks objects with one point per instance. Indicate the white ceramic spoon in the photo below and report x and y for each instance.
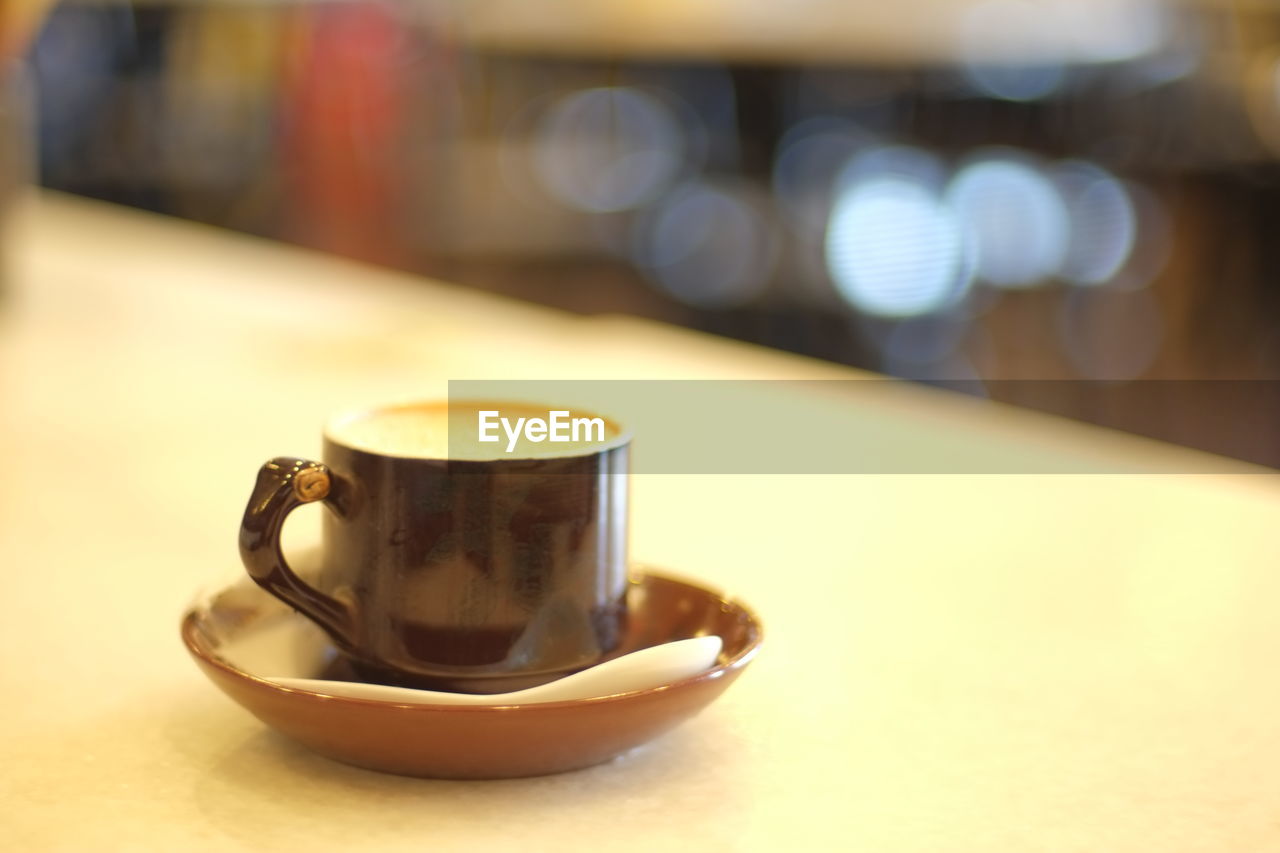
(651, 667)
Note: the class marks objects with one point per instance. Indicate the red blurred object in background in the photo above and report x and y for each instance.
(343, 109)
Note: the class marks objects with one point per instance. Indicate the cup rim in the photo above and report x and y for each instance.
(621, 438)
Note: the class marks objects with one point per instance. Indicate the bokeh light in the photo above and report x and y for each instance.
(926, 346)
(1103, 223)
(892, 248)
(1009, 82)
(896, 161)
(1112, 31)
(608, 149)
(708, 245)
(1152, 243)
(810, 158)
(1016, 215)
(993, 69)
(1026, 50)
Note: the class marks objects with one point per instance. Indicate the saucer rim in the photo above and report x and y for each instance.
(720, 670)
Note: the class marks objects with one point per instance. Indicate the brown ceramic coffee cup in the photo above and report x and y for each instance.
(452, 562)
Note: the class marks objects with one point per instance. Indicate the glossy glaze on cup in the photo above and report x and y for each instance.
(466, 742)
(476, 576)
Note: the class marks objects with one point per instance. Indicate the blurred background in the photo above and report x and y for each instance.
(1081, 193)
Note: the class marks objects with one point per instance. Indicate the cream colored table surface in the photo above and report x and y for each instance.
(1017, 663)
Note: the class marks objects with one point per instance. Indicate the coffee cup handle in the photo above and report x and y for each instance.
(284, 484)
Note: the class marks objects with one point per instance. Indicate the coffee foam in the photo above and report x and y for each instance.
(439, 430)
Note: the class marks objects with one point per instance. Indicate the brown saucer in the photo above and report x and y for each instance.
(242, 634)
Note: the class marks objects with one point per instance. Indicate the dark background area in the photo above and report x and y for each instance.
(1099, 224)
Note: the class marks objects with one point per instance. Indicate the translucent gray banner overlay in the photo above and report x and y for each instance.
(888, 426)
